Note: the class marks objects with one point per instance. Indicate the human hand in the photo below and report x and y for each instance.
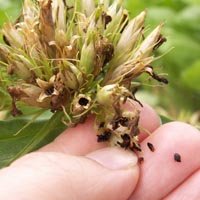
(76, 167)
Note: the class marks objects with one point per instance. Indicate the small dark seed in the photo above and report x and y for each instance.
(177, 157)
(140, 160)
(123, 121)
(108, 19)
(126, 141)
(151, 147)
(102, 124)
(115, 125)
(104, 137)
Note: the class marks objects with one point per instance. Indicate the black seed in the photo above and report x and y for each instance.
(104, 137)
(107, 18)
(102, 124)
(126, 141)
(140, 160)
(151, 147)
(49, 91)
(124, 121)
(115, 125)
(83, 101)
(177, 157)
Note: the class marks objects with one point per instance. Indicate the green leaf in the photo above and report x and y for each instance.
(186, 51)
(36, 135)
(187, 20)
(190, 76)
(165, 119)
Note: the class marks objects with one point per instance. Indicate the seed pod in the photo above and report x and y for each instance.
(87, 57)
(13, 36)
(80, 104)
(59, 15)
(47, 32)
(20, 70)
(48, 88)
(110, 94)
(146, 48)
(28, 94)
(69, 75)
(130, 35)
(104, 52)
(128, 71)
(4, 53)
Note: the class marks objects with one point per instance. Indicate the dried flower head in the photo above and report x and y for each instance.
(80, 57)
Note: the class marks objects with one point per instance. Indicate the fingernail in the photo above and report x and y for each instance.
(114, 158)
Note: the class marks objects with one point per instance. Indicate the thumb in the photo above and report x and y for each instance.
(123, 173)
(109, 173)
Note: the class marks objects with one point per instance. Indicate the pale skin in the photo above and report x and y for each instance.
(76, 167)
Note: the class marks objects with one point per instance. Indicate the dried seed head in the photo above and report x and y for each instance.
(79, 57)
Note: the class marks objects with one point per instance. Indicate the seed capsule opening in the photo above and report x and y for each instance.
(49, 91)
(83, 101)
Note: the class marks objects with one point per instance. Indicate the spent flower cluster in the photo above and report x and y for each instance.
(80, 57)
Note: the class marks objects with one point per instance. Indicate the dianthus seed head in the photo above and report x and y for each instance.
(79, 57)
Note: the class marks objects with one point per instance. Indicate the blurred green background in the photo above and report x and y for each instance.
(180, 100)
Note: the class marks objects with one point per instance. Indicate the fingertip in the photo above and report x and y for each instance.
(161, 166)
(124, 170)
(180, 126)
